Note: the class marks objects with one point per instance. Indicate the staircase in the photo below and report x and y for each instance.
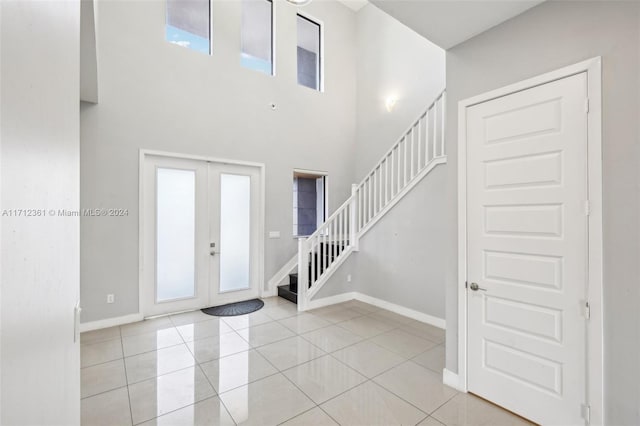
(418, 151)
(328, 252)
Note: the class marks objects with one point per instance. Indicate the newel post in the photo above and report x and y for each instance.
(303, 274)
(353, 217)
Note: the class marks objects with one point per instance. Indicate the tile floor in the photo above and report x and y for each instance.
(348, 364)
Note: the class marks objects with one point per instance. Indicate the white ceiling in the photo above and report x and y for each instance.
(450, 22)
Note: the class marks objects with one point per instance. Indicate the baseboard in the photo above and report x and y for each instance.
(271, 292)
(451, 379)
(278, 277)
(110, 322)
(331, 300)
(401, 310)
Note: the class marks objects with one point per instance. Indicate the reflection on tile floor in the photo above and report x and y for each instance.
(346, 364)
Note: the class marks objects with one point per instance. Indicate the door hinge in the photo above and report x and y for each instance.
(587, 208)
(466, 284)
(586, 105)
(587, 310)
(585, 410)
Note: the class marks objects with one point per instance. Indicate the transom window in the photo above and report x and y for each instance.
(188, 24)
(309, 51)
(257, 35)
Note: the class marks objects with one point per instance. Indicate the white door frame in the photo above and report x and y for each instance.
(595, 375)
(261, 214)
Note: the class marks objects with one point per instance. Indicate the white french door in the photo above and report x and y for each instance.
(527, 250)
(200, 234)
(233, 248)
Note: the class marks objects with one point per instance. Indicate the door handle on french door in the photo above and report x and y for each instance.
(476, 287)
(213, 252)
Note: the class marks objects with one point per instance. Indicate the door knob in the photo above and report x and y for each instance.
(476, 287)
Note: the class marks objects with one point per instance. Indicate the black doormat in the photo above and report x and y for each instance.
(233, 309)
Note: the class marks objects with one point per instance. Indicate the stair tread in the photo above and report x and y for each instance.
(286, 287)
(286, 293)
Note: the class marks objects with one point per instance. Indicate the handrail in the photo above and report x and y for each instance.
(404, 134)
(399, 169)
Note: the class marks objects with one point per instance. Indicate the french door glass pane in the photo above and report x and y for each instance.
(235, 207)
(175, 234)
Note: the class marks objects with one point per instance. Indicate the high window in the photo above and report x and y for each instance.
(257, 35)
(309, 51)
(188, 24)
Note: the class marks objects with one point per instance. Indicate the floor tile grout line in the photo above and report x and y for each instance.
(296, 386)
(186, 342)
(328, 414)
(304, 393)
(442, 405)
(157, 350)
(387, 321)
(408, 402)
(163, 374)
(339, 349)
(278, 372)
(421, 420)
(266, 344)
(217, 394)
(178, 409)
(405, 360)
(210, 337)
(100, 363)
(298, 415)
(126, 381)
(103, 392)
(244, 384)
(98, 342)
(129, 336)
(256, 349)
(389, 390)
(188, 405)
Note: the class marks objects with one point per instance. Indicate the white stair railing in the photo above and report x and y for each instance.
(412, 157)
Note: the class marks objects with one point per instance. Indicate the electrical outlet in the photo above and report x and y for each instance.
(111, 298)
(349, 278)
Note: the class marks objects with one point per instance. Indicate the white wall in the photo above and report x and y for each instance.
(88, 58)
(548, 37)
(393, 60)
(39, 169)
(160, 96)
(400, 259)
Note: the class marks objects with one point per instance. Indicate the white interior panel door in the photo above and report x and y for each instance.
(527, 250)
